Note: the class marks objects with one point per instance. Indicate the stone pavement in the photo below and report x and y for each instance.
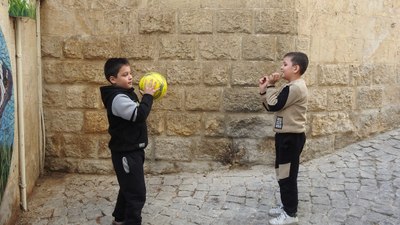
(358, 185)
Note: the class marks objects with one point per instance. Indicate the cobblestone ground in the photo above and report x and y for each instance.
(358, 185)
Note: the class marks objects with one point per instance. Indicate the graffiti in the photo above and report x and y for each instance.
(6, 115)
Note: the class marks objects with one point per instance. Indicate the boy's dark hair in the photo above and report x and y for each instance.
(113, 65)
(300, 59)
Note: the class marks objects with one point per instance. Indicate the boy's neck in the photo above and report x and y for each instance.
(295, 77)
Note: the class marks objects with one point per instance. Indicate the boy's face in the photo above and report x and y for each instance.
(123, 78)
(288, 69)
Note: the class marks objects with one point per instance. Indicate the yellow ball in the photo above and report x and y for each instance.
(160, 83)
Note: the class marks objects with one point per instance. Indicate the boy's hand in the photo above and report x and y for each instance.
(273, 78)
(262, 83)
(268, 80)
(149, 88)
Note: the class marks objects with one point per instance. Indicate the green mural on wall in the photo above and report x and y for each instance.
(22, 8)
(6, 115)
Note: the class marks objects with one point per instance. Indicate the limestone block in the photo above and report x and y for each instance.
(234, 21)
(103, 150)
(106, 5)
(216, 73)
(230, 4)
(54, 144)
(173, 100)
(196, 22)
(184, 73)
(318, 146)
(317, 99)
(174, 148)
(61, 164)
(150, 151)
(220, 47)
(384, 74)
(369, 122)
(56, 72)
(214, 125)
(321, 47)
(349, 49)
(242, 100)
(346, 139)
(110, 20)
(95, 166)
(156, 123)
(369, 97)
(138, 47)
(260, 47)
(95, 121)
(101, 47)
(203, 99)
(63, 121)
(139, 68)
(57, 21)
(178, 47)
(156, 20)
(276, 21)
(390, 116)
(283, 4)
(52, 46)
(213, 149)
(332, 74)
(80, 146)
(251, 151)
(331, 123)
(391, 95)
(285, 44)
(52, 71)
(184, 124)
(176, 4)
(248, 73)
(54, 96)
(360, 75)
(311, 74)
(73, 47)
(250, 126)
(340, 99)
(82, 96)
(385, 53)
(303, 43)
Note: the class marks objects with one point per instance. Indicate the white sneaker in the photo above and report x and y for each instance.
(284, 219)
(276, 211)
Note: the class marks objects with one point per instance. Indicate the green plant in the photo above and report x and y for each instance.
(5, 161)
(22, 8)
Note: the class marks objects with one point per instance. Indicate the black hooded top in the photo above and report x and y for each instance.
(126, 117)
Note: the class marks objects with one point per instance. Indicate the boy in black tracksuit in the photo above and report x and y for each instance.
(127, 127)
(289, 104)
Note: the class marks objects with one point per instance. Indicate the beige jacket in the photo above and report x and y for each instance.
(289, 104)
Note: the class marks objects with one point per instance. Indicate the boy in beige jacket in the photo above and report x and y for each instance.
(289, 104)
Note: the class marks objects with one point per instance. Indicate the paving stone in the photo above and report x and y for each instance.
(359, 184)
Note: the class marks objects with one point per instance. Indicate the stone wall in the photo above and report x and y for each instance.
(212, 53)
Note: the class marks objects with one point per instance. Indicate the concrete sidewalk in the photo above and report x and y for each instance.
(358, 185)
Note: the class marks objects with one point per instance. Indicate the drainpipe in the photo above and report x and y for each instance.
(42, 134)
(21, 121)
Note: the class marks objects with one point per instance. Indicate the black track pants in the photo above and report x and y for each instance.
(288, 147)
(128, 167)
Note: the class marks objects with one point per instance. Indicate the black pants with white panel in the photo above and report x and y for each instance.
(128, 167)
(288, 147)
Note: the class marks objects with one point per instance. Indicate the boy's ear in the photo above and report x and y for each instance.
(296, 69)
(113, 79)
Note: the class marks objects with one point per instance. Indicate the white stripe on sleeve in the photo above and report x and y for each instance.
(124, 107)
